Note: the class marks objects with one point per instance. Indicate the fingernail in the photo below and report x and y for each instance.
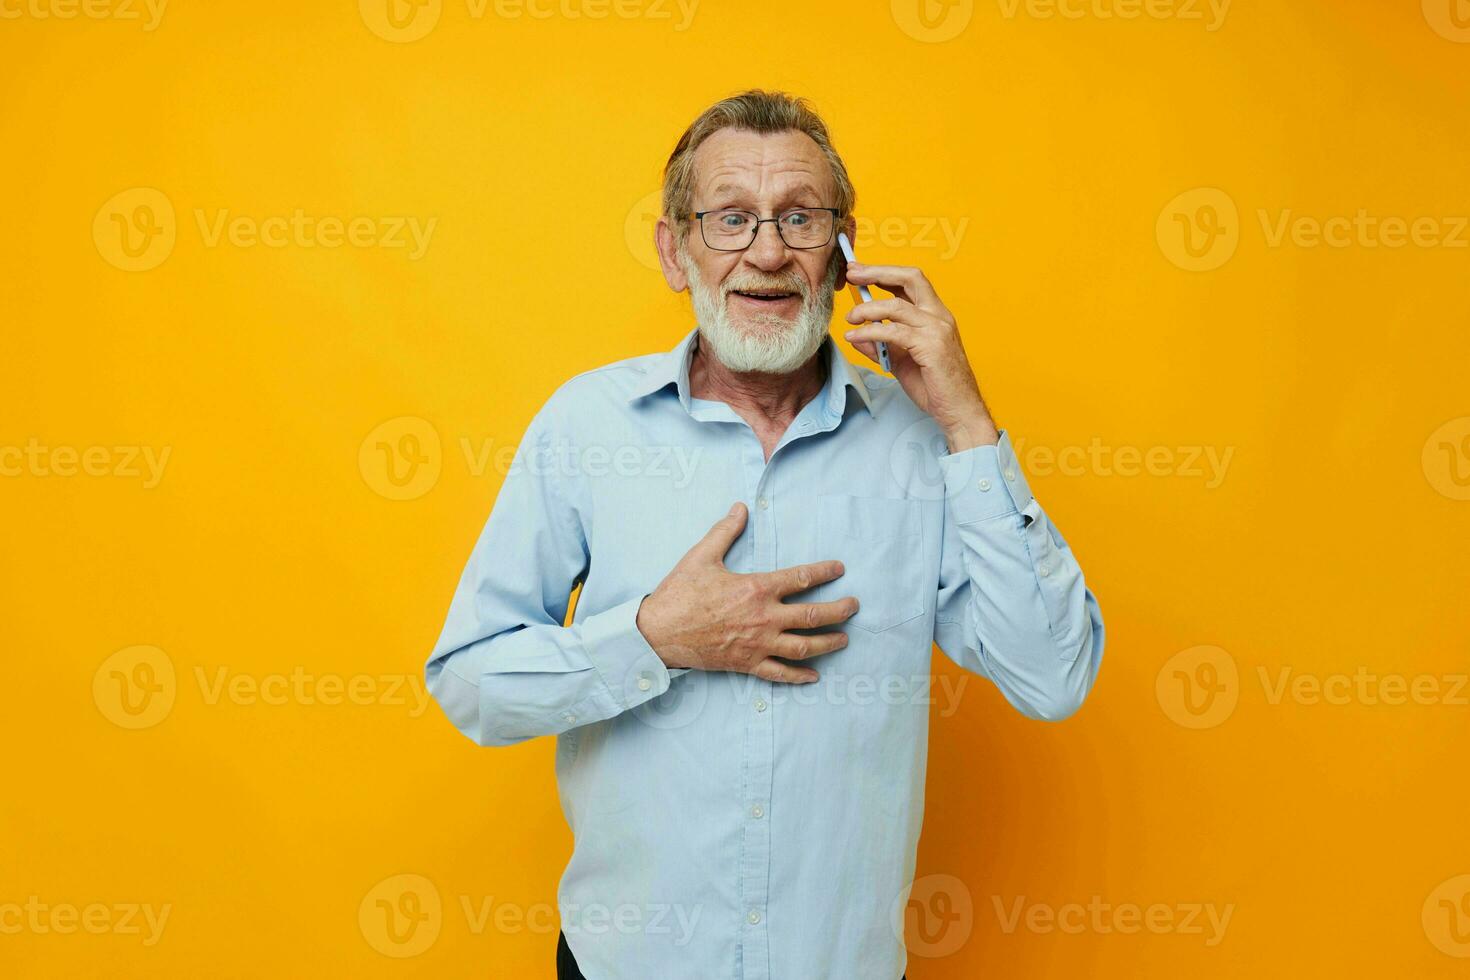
(733, 508)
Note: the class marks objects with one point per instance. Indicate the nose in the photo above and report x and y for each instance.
(768, 252)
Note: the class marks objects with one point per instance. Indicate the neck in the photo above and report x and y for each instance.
(776, 398)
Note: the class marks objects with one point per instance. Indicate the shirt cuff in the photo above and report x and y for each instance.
(628, 666)
(984, 482)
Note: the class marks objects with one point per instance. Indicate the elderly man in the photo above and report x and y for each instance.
(769, 541)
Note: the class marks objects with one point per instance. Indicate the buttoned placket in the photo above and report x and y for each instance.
(759, 742)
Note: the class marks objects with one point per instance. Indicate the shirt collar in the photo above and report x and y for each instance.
(672, 367)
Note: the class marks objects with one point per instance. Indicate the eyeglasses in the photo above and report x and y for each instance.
(733, 230)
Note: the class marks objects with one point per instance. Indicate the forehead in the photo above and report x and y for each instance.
(761, 167)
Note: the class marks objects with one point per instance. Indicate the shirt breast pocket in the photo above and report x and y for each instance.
(879, 542)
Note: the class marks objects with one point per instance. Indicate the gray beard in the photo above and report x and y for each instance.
(768, 343)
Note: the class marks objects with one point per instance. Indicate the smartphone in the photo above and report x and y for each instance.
(861, 294)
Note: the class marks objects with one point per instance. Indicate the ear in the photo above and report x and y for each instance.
(668, 255)
(849, 226)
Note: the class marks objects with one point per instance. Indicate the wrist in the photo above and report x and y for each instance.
(647, 623)
(973, 429)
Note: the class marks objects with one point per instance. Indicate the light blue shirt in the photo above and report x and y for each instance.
(725, 826)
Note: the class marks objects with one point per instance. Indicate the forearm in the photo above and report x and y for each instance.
(526, 681)
(1021, 613)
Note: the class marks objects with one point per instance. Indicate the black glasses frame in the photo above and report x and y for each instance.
(756, 228)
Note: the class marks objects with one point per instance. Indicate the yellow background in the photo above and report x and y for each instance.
(1333, 544)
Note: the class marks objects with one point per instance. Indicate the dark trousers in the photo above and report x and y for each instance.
(566, 966)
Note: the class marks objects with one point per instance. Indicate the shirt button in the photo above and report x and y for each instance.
(757, 811)
(1045, 569)
(754, 917)
(569, 717)
(644, 683)
(762, 503)
(984, 484)
(760, 704)
(1011, 475)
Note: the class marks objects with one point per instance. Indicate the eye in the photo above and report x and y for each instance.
(796, 219)
(732, 219)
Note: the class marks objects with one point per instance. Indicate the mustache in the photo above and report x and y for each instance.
(793, 284)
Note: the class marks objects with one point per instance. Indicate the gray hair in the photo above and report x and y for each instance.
(760, 112)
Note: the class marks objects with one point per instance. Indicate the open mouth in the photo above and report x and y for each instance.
(765, 297)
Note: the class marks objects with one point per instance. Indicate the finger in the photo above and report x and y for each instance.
(799, 646)
(899, 310)
(810, 615)
(771, 669)
(799, 578)
(911, 282)
(868, 350)
(721, 536)
(894, 334)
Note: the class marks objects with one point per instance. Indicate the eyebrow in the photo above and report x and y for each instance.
(731, 190)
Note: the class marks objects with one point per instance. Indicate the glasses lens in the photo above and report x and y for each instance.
(728, 230)
(806, 228)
